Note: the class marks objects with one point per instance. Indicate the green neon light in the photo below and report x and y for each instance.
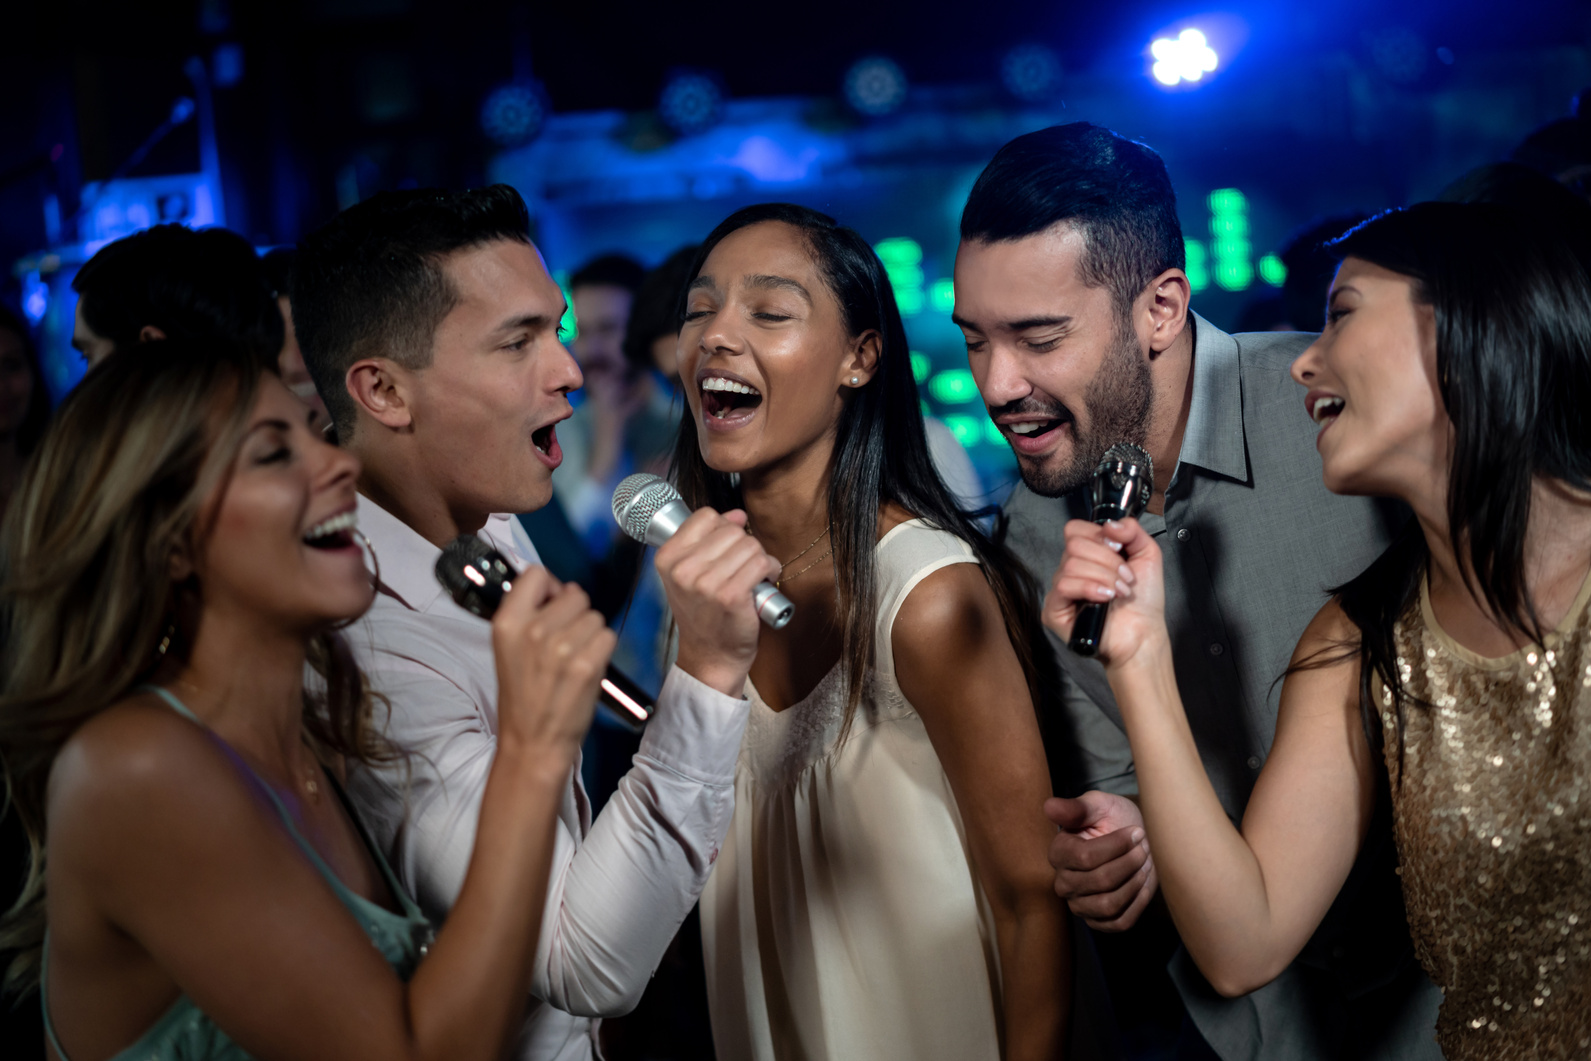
(953, 387)
(1228, 201)
(910, 300)
(568, 330)
(942, 295)
(1226, 249)
(1198, 268)
(1234, 275)
(921, 366)
(992, 434)
(1272, 271)
(899, 250)
(1229, 226)
(967, 429)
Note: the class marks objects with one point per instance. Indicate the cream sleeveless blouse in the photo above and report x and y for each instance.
(843, 918)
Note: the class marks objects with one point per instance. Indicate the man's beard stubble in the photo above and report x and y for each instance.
(1118, 401)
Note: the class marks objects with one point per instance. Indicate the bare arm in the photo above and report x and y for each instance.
(958, 669)
(158, 836)
(1244, 902)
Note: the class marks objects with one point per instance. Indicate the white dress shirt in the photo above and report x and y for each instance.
(620, 887)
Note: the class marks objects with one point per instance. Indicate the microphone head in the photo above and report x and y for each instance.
(475, 575)
(637, 499)
(1123, 482)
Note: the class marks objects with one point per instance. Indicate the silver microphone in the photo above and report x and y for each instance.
(650, 510)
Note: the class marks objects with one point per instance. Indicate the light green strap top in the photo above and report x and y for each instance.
(183, 1032)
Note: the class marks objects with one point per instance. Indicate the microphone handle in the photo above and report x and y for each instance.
(1089, 629)
(773, 607)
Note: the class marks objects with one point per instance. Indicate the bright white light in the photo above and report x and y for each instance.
(1188, 57)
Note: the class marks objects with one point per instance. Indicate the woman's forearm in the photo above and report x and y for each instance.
(1036, 979)
(1214, 886)
(466, 998)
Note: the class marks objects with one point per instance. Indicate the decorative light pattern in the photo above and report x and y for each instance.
(922, 367)
(1229, 242)
(1198, 264)
(1030, 72)
(875, 86)
(967, 429)
(903, 262)
(953, 386)
(513, 114)
(568, 327)
(1272, 271)
(691, 102)
(1187, 57)
(942, 295)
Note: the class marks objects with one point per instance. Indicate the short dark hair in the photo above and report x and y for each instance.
(610, 270)
(204, 285)
(371, 284)
(657, 307)
(1116, 191)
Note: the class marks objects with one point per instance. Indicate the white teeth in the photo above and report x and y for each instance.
(1324, 407)
(718, 383)
(1030, 428)
(346, 521)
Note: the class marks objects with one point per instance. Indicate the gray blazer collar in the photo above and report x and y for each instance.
(1214, 438)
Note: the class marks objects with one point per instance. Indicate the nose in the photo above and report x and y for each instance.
(565, 370)
(338, 467)
(999, 376)
(1306, 366)
(721, 335)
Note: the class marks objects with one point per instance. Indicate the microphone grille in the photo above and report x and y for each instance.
(637, 499)
(1127, 453)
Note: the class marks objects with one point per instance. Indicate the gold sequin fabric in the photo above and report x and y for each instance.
(1492, 814)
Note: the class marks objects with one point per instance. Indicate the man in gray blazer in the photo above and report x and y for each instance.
(1071, 294)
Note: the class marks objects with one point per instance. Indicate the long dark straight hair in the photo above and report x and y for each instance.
(1513, 359)
(880, 455)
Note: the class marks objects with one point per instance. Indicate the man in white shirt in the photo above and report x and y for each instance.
(429, 322)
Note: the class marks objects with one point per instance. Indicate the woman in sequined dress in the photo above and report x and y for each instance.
(1453, 677)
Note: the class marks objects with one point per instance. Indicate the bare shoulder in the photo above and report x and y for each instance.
(136, 767)
(892, 515)
(1323, 676)
(1329, 634)
(949, 615)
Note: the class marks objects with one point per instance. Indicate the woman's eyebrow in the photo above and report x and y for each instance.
(272, 424)
(784, 283)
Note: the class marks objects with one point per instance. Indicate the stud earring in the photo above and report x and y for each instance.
(854, 381)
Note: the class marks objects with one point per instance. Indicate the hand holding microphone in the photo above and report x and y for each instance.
(716, 577)
(1110, 561)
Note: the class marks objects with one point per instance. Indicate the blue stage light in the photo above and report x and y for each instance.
(1186, 57)
(513, 114)
(875, 86)
(691, 102)
(1030, 72)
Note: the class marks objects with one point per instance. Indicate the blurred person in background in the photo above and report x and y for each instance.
(24, 402)
(177, 717)
(278, 265)
(1555, 212)
(170, 282)
(1310, 268)
(601, 293)
(1561, 149)
(1073, 299)
(1450, 679)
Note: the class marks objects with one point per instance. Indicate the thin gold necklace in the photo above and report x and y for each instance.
(781, 580)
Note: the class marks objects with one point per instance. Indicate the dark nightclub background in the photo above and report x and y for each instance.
(637, 126)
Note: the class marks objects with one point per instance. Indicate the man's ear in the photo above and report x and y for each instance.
(379, 387)
(149, 333)
(862, 361)
(1166, 301)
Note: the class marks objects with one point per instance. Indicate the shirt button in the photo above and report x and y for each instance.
(1216, 648)
(1182, 534)
(1253, 762)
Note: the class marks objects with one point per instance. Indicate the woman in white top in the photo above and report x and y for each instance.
(883, 891)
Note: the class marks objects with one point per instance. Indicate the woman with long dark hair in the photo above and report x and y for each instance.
(181, 546)
(883, 891)
(1453, 677)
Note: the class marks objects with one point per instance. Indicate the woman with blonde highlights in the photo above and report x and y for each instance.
(181, 546)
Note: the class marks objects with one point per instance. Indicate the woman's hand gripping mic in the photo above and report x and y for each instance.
(1116, 564)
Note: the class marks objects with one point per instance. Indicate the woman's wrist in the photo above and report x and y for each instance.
(534, 763)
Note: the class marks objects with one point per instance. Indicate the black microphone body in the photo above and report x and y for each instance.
(1122, 485)
(477, 577)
